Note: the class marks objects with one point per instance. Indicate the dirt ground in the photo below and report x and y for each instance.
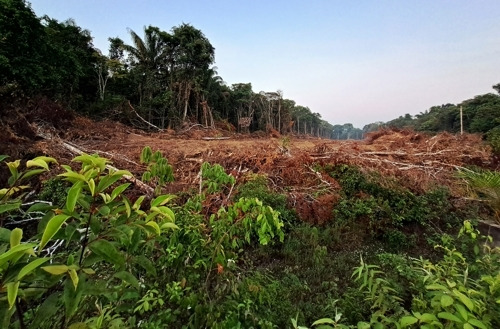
(292, 164)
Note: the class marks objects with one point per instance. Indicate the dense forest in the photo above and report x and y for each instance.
(165, 77)
(116, 212)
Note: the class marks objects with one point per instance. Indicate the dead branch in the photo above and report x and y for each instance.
(142, 119)
(215, 138)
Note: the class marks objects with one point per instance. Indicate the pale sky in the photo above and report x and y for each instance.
(352, 61)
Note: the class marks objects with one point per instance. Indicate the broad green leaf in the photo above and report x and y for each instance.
(13, 168)
(13, 252)
(9, 206)
(15, 237)
(74, 277)
(468, 326)
(323, 321)
(128, 277)
(446, 300)
(363, 325)
(40, 206)
(51, 229)
(161, 200)
(449, 316)
(155, 226)
(12, 288)
(436, 286)
(464, 299)
(31, 267)
(46, 159)
(408, 320)
(118, 190)
(3, 157)
(477, 323)
(31, 173)
(88, 271)
(138, 202)
(108, 251)
(104, 210)
(73, 194)
(4, 235)
(462, 311)
(37, 163)
(169, 225)
(73, 176)
(56, 269)
(428, 317)
(107, 181)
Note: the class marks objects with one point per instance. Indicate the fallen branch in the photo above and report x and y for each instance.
(215, 138)
(142, 119)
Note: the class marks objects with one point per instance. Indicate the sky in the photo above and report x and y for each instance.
(351, 61)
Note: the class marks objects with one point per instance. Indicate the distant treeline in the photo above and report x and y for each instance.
(167, 77)
(480, 114)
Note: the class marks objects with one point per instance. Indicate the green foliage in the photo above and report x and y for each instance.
(485, 185)
(257, 187)
(54, 190)
(493, 137)
(388, 207)
(105, 235)
(158, 170)
(214, 178)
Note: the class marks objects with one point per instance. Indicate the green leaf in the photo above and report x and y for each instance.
(109, 180)
(155, 226)
(72, 297)
(464, 299)
(363, 325)
(477, 323)
(118, 190)
(9, 206)
(13, 252)
(3, 157)
(12, 288)
(40, 206)
(31, 267)
(91, 185)
(138, 202)
(74, 277)
(428, 317)
(15, 237)
(468, 326)
(169, 225)
(51, 229)
(408, 320)
(128, 277)
(446, 300)
(73, 176)
(108, 251)
(37, 163)
(56, 269)
(449, 316)
(79, 325)
(161, 200)
(4, 235)
(146, 264)
(436, 286)
(323, 321)
(33, 172)
(73, 194)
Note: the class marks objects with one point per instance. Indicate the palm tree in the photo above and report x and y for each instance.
(148, 56)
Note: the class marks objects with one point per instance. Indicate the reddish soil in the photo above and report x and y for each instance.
(291, 164)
